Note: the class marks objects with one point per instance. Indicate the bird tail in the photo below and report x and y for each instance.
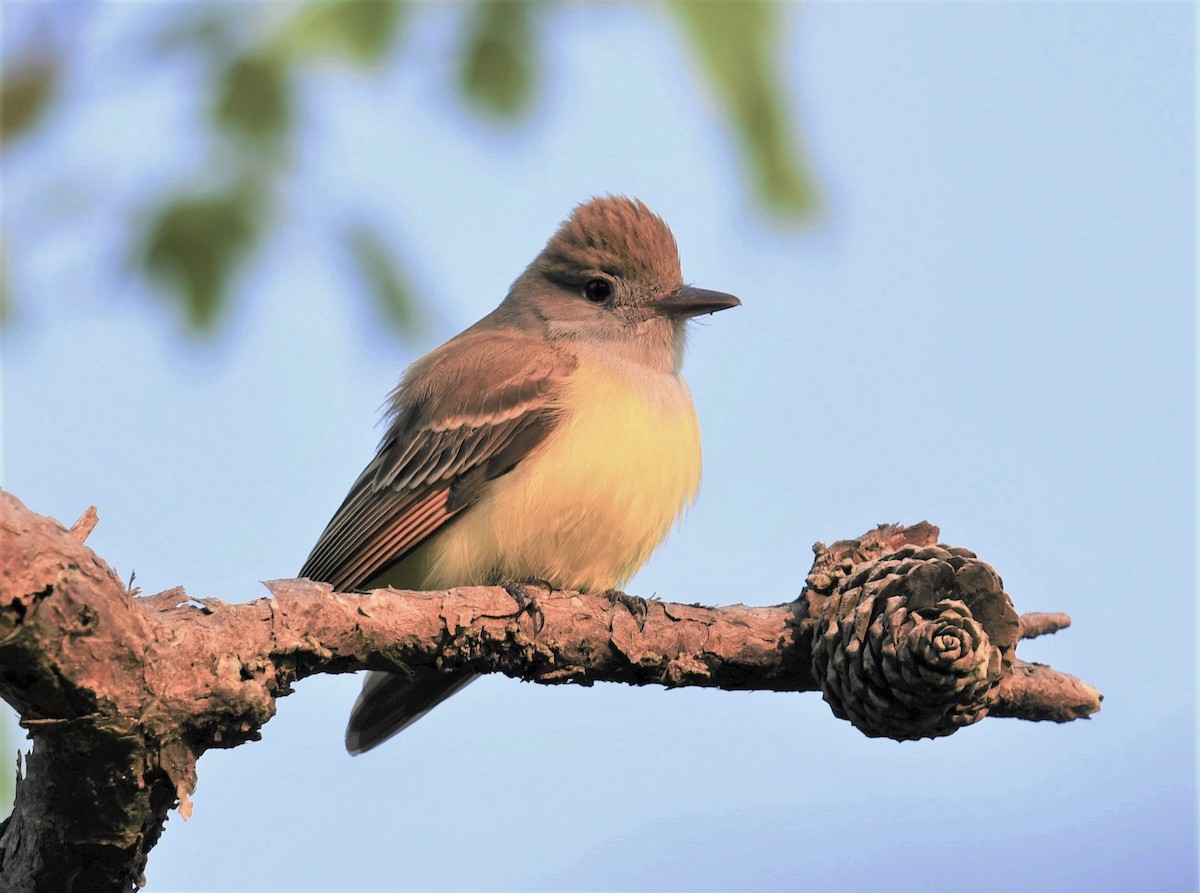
(390, 703)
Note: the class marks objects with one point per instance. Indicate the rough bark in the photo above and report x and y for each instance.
(122, 694)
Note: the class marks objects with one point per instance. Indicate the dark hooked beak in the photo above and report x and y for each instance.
(690, 301)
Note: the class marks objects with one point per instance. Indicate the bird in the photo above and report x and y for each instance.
(555, 440)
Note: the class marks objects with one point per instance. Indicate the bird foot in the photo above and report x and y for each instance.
(527, 603)
(636, 605)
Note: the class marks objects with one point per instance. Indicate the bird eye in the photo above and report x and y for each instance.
(597, 290)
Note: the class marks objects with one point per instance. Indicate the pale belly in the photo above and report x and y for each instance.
(589, 506)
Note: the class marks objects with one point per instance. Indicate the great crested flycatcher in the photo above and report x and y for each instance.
(554, 440)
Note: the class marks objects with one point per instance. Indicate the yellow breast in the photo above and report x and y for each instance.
(592, 502)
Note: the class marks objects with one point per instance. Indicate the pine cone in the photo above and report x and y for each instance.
(912, 644)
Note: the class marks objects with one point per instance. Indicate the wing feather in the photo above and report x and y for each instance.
(411, 525)
(472, 409)
(402, 530)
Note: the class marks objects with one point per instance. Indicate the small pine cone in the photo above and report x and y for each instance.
(912, 644)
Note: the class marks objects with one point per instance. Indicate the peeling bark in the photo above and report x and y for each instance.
(121, 694)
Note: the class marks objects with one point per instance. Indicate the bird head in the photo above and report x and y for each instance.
(609, 280)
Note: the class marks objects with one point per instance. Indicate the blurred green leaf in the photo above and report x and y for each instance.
(193, 245)
(736, 43)
(253, 98)
(384, 279)
(498, 59)
(25, 95)
(363, 30)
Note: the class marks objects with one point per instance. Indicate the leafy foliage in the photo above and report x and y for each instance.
(254, 99)
(362, 31)
(196, 241)
(194, 245)
(499, 57)
(384, 279)
(736, 44)
(25, 94)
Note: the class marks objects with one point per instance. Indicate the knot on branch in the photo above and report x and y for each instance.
(913, 644)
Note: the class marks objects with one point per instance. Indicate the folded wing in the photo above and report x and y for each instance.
(465, 415)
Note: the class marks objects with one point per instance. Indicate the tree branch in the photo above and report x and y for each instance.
(121, 695)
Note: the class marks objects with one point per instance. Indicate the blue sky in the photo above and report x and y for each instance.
(990, 325)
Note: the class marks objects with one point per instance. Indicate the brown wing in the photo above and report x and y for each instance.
(463, 416)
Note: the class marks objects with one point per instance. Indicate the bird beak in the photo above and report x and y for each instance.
(690, 301)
